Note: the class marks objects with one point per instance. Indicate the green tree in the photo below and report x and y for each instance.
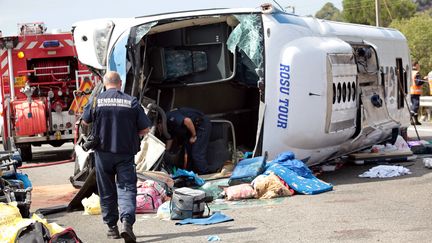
(418, 31)
(363, 12)
(329, 12)
(423, 4)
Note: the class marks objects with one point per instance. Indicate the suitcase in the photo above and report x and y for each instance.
(246, 170)
(188, 203)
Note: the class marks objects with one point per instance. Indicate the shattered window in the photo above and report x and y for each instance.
(117, 59)
(142, 30)
(248, 37)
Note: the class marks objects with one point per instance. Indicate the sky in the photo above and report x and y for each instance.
(61, 14)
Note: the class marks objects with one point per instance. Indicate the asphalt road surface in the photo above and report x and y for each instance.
(357, 210)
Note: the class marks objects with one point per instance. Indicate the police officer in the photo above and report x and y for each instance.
(415, 92)
(120, 121)
(193, 129)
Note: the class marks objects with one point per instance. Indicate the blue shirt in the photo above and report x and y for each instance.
(119, 118)
(175, 121)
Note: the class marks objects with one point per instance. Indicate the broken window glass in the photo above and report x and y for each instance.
(248, 37)
(143, 30)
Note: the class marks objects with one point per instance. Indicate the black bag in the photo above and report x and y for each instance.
(92, 140)
(35, 232)
(66, 236)
(91, 143)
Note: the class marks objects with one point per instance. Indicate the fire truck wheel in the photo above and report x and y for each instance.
(25, 151)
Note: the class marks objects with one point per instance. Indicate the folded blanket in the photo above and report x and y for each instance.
(216, 218)
(305, 185)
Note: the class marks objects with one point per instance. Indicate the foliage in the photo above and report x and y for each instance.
(423, 4)
(329, 12)
(363, 11)
(418, 31)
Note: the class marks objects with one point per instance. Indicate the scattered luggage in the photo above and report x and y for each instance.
(149, 196)
(15, 228)
(247, 169)
(188, 203)
(68, 235)
(34, 232)
(239, 192)
(271, 186)
(14, 186)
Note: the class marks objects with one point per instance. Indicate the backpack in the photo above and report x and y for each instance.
(188, 203)
(66, 236)
(35, 232)
(149, 196)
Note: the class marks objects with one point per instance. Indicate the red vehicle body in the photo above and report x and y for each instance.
(43, 88)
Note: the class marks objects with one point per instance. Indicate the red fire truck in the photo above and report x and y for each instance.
(43, 88)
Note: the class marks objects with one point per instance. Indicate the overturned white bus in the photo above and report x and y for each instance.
(318, 88)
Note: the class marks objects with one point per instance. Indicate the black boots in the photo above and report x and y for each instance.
(113, 232)
(415, 120)
(127, 233)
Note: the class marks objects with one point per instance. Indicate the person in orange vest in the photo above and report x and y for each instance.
(415, 92)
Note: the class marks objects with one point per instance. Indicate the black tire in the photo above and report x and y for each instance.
(25, 151)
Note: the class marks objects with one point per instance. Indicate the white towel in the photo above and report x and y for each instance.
(386, 171)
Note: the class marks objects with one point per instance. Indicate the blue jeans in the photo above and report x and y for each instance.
(116, 181)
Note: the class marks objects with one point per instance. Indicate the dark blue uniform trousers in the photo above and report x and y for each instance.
(415, 101)
(116, 193)
(197, 152)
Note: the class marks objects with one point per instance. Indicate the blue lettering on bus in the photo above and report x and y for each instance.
(284, 91)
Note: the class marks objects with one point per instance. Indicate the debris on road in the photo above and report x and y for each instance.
(15, 228)
(213, 238)
(427, 162)
(386, 171)
(215, 218)
(91, 205)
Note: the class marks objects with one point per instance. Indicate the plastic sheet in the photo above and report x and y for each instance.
(248, 37)
(214, 187)
(164, 212)
(91, 205)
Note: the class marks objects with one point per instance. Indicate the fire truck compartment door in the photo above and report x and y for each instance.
(30, 118)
